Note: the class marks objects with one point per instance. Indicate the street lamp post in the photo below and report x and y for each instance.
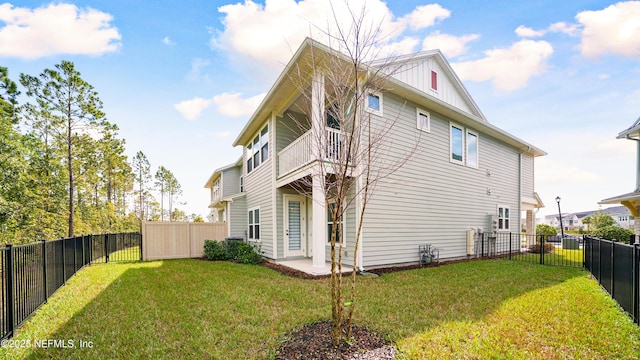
(560, 215)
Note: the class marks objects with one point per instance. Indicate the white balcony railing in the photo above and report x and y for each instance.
(295, 155)
(300, 152)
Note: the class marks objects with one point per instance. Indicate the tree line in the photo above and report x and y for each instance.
(63, 170)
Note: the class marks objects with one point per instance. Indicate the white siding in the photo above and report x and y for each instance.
(258, 185)
(527, 175)
(231, 181)
(417, 73)
(430, 199)
(238, 217)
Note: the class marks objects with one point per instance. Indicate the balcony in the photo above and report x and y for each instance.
(300, 152)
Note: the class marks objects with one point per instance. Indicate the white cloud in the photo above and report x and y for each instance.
(425, 16)
(508, 68)
(232, 104)
(195, 74)
(528, 32)
(613, 30)
(167, 41)
(56, 29)
(191, 109)
(451, 46)
(268, 34)
(228, 104)
(223, 134)
(563, 27)
(549, 172)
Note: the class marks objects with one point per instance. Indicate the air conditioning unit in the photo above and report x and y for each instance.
(471, 242)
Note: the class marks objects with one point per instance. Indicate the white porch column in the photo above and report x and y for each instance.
(319, 224)
(318, 193)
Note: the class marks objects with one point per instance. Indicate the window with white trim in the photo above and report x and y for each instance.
(374, 103)
(503, 218)
(472, 149)
(423, 120)
(241, 183)
(463, 146)
(456, 144)
(217, 190)
(331, 224)
(258, 149)
(254, 224)
(434, 80)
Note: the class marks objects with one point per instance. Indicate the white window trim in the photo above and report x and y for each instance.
(254, 223)
(368, 109)
(503, 207)
(418, 124)
(466, 149)
(451, 159)
(465, 146)
(435, 91)
(260, 145)
(344, 227)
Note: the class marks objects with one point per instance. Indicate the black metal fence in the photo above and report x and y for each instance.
(539, 249)
(31, 273)
(616, 266)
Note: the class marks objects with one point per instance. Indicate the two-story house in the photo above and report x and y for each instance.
(464, 173)
(227, 202)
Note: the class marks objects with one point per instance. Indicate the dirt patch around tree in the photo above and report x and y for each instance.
(314, 341)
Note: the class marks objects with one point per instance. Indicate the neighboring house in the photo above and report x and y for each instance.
(228, 202)
(630, 200)
(569, 221)
(465, 173)
(574, 221)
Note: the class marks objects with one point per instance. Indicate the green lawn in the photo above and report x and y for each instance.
(199, 309)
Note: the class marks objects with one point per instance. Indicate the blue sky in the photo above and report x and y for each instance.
(180, 78)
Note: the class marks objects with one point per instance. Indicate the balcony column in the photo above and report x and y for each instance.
(318, 185)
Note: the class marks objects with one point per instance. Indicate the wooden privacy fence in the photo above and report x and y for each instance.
(178, 240)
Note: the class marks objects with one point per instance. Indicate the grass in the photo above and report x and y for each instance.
(559, 256)
(198, 309)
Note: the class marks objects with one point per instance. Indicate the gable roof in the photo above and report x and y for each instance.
(409, 61)
(283, 92)
(218, 172)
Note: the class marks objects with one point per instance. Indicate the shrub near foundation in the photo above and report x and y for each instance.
(215, 250)
(232, 250)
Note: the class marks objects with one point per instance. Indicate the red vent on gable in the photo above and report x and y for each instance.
(434, 80)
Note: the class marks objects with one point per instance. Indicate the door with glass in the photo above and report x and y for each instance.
(295, 240)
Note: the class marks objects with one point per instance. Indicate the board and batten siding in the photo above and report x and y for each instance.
(417, 73)
(429, 199)
(258, 188)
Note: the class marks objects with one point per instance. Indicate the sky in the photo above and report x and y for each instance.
(181, 78)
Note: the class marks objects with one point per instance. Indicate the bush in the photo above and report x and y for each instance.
(548, 248)
(247, 254)
(232, 250)
(613, 232)
(546, 230)
(232, 247)
(214, 250)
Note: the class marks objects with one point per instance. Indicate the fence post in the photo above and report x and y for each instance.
(613, 275)
(64, 263)
(541, 249)
(510, 245)
(636, 280)
(106, 249)
(140, 242)
(11, 300)
(44, 270)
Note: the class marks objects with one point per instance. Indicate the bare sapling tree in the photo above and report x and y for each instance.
(340, 86)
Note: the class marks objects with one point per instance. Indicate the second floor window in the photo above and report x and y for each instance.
(258, 149)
